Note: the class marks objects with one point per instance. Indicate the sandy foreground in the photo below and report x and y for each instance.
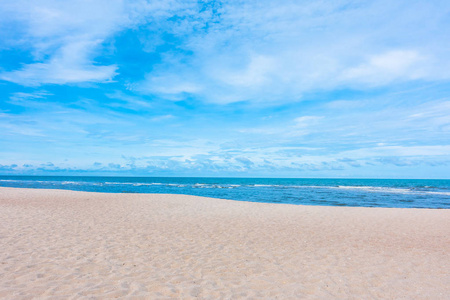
(72, 245)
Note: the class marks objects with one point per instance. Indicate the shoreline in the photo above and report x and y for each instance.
(225, 199)
(63, 243)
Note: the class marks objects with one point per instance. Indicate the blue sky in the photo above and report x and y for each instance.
(233, 88)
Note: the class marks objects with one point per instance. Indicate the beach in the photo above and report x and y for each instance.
(58, 244)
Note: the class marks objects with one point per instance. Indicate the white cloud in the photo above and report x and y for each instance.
(228, 52)
(275, 52)
(252, 75)
(263, 52)
(387, 67)
(21, 98)
(65, 37)
(67, 66)
(398, 151)
(306, 121)
(170, 86)
(128, 101)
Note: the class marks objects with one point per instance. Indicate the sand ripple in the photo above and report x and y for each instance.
(74, 245)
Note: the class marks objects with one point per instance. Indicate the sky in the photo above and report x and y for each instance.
(345, 89)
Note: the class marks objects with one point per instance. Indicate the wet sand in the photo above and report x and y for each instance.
(75, 245)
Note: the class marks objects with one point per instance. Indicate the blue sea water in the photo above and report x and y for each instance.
(308, 191)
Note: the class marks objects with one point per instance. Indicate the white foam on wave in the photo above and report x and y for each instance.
(381, 189)
(376, 189)
(72, 182)
(372, 189)
(27, 181)
(127, 183)
(439, 193)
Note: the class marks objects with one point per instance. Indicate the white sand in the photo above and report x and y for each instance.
(62, 244)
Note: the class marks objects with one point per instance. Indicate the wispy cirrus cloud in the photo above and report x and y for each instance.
(67, 38)
(63, 37)
(298, 88)
(225, 54)
(279, 52)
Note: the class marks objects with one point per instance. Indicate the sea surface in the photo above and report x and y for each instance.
(309, 191)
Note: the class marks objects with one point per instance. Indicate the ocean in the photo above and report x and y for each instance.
(407, 193)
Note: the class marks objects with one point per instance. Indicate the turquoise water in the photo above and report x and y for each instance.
(309, 191)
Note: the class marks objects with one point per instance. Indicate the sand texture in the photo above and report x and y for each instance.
(58, 244)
